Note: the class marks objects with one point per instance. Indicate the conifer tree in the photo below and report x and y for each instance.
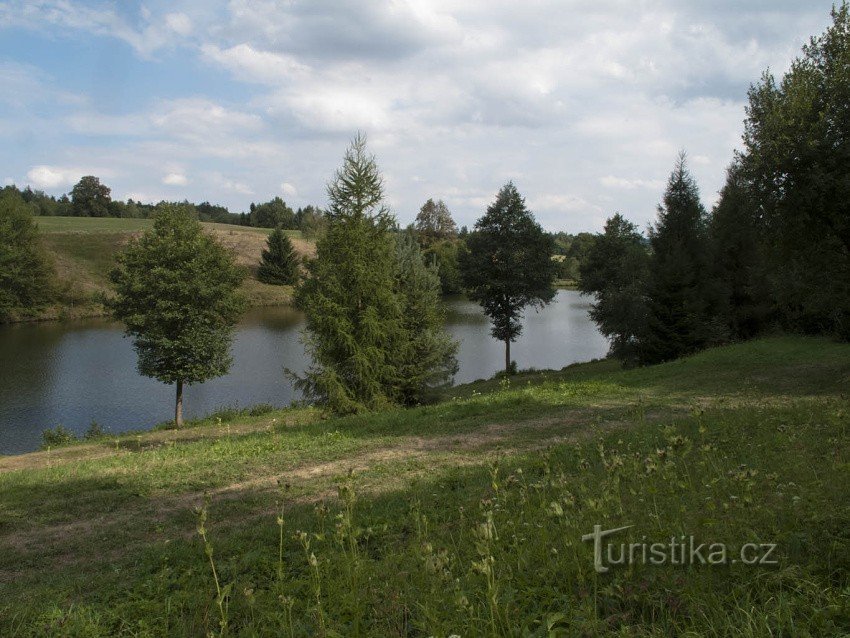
(428, 363)
(176, 290)
(508, 265)
(279, 263)
(679, 292)
(354, 316)
(372, 316)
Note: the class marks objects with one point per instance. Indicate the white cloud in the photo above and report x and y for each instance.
(44, 176)
(180, 23)
(610, 181)
(288, 189)
(175, 179)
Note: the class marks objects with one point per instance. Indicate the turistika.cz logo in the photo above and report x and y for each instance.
(684, 550)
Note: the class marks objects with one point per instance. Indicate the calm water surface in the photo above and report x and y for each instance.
(75, 372)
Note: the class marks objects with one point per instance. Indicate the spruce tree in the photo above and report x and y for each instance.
(26, 274)
(279, 263)
(176, 290)
(679, 291)
(508, 265)
(428, 362)
(740, 267)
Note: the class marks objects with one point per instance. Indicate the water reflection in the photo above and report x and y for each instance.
(76, 372)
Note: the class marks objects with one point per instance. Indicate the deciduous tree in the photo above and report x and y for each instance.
(176, 290)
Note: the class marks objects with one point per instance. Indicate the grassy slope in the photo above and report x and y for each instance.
(747, 443)
(84, 250)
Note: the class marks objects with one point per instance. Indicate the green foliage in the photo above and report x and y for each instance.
(90, 198)
(354, 318)
(272, 214)
(508, 265)
(740, 267)
(56, 437)
(428, 363)
(615, 272)
(26, 273)
(279, 262)
(176, 293)
(444, 256)
(572, 252)
(795, 158)
(365, 303)
(434, 223)
(679, 290)
(95, 431)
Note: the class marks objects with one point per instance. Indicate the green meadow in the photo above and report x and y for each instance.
(461, 518)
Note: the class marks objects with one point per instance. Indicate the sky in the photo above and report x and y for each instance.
(583, 104)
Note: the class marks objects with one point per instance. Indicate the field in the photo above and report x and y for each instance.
(465, 517)
(84, 249)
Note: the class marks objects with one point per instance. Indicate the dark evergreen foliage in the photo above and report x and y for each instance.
(679, 288)
(508, 266)
(279, 262)
(615, 271)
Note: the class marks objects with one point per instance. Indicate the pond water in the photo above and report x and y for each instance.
(71, 373)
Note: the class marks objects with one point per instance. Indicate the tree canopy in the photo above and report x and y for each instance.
(508, 265)
(279, 262)
(176, 293)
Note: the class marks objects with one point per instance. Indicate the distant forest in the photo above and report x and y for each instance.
(91, 198)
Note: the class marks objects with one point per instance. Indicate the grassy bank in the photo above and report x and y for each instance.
(84, 249)
(464, 517)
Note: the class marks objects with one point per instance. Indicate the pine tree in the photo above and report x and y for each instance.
(679, 292)
(508, 265)
(428, 363)
(26, 274)
(176, 290)
(615, 273)
(279, 263)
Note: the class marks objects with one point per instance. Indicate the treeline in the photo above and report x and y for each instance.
(775, 250)
(91, 198)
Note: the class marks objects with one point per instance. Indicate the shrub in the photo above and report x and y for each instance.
(60, 435)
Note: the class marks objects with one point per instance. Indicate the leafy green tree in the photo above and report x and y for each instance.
(279, 262)
(272, 214)
(26, 274)
(176, 290)
(444, 256)
(679, 292)
(434, 223)
(311, 221)
(508, 265)
(428, 363)
(615, 272)
(796, 156)
(90, 198)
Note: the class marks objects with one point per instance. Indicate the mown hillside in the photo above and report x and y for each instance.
(84, 249)
(465, 517)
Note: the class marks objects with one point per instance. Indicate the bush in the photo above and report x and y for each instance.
(95, 431)
(60, 435)
(260, 409)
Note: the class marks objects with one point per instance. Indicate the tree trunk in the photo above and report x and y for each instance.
(178, 407)
(507, 356)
